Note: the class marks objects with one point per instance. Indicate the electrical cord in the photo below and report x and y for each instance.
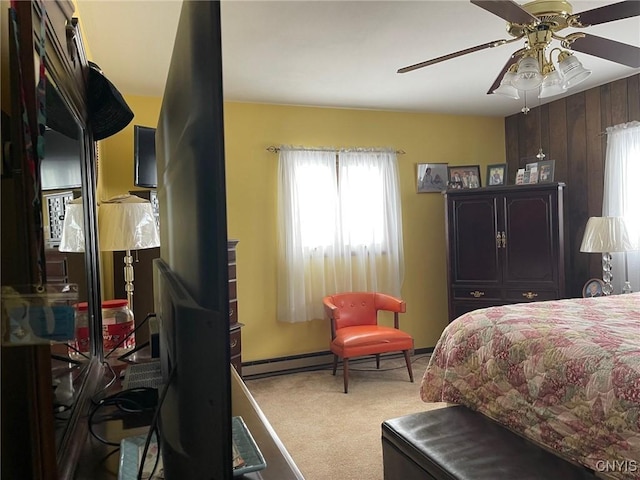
(157, 460)
(154, 428)
(96, 409)
(124, 339)
(130, 401)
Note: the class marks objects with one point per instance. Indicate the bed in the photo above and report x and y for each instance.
(564, 374)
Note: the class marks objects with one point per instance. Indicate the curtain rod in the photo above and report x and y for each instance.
(274, 149)
(619, 126)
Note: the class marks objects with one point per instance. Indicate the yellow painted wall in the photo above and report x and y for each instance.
(115, 170)
(251, 202)
(116, 158)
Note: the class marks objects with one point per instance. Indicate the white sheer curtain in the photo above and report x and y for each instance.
(372, 257)
(622, 196)
(340, 229)
(307, 219)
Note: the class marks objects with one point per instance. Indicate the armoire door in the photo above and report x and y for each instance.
(472, 240)
(530, 251)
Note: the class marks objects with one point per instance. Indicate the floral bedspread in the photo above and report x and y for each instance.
(565, 374)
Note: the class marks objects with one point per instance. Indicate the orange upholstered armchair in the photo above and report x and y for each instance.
(355, 331)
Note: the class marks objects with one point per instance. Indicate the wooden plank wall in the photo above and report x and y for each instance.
(571, 132)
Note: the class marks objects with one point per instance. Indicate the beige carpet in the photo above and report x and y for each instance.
(336, 436)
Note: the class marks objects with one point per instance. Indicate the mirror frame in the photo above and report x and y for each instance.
(67, 69)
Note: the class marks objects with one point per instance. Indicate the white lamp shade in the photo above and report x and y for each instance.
(528, 75)
(506, 87)
(605, 235)
(127, 222)
(572, 71)
(72, 237)
(552, 85)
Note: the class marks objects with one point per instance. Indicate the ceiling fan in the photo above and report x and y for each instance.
(538, 23)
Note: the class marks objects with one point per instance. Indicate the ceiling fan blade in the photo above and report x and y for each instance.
(618, 52)
(452, 55)
(496, 82)
(507, 10)
(610, 13)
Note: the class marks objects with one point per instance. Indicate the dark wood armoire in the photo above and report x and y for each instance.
(504, 245)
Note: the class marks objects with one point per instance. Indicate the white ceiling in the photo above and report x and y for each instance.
(334, 53)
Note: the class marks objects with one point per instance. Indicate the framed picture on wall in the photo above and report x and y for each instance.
(466, 176)
(431, 177)
(496, 174)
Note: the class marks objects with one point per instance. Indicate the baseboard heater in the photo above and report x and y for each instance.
(306, 362)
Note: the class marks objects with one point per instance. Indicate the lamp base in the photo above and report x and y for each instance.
(607, 276)
(128, 277)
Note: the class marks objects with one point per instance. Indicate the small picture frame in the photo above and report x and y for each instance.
(531, 173)
(531, 165)
(431, 177)
(496, 174)
(463, 177)
(593, 288)
(546, 171)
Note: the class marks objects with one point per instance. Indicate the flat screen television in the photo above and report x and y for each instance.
(60, 167)
(193, 412)
(195, 416)
(144, 157)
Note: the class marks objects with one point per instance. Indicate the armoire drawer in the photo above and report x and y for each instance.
(530, 295)
(476, 293)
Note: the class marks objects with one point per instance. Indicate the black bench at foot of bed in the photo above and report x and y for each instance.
(455, 443)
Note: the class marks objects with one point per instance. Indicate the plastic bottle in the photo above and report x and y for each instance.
(80, 343)
(117, 323)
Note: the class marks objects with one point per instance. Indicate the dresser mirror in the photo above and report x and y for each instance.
(46, 418)
(65, 178)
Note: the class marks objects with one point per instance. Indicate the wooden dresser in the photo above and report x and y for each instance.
(56, 266)
(504, 245)
(235, 338)
(143, 299)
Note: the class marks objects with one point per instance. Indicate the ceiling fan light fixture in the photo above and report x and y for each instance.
(528, 76)
(571, 69)
(508, 91)
(506, 87)
(539, 23)
(553, 84)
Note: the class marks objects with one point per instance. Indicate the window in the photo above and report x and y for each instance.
(622, 196)
(339, 227)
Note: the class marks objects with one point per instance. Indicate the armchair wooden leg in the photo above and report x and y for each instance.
(335, 364)
(378, 361)
(408, 362)
(345, 368)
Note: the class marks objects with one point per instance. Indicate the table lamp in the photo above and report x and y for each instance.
(126, 223)
(605, 235)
